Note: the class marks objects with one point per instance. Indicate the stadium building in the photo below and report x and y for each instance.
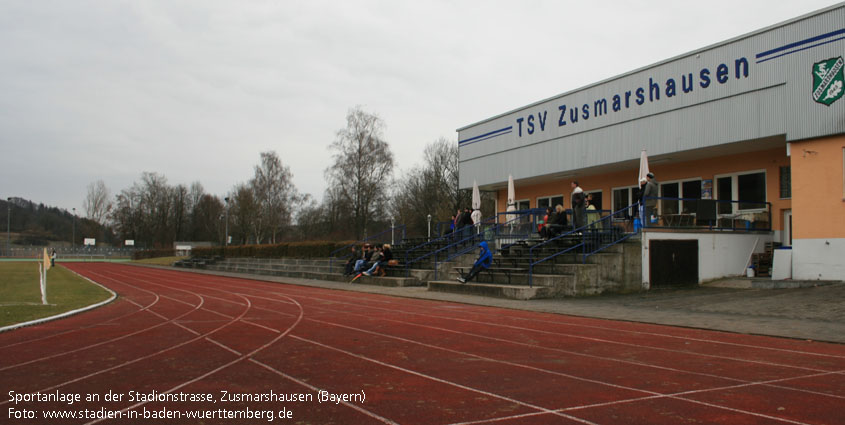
(756, 124)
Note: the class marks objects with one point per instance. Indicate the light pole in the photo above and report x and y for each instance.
(226, 242)
(9, 227)
(429, 226)
(392, 232)
(73, 235)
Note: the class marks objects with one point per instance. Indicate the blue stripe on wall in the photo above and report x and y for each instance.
(486, 136)
(466, 142)
(800, 43)
(798, 50)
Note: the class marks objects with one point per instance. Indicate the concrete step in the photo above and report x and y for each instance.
(392, 281)
(389, 281)
(278, 261)
(515, 292)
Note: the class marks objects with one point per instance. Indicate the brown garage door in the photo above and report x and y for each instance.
(673, 262)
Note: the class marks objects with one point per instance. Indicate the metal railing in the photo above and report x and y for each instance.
(601, 232)
(451, 240)
(711, 214)
(392, 231)
(494, 231)
(68, 252)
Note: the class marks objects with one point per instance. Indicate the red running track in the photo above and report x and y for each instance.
(178, 335)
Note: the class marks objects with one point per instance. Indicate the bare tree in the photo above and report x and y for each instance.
(243, 213)
(98, 204)
(275, 194)
(207, 219)
(432, 188)
(180, 213)
(362, 168)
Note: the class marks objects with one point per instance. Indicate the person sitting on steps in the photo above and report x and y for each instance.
(485, 259)
(378, 265)
(366, 256)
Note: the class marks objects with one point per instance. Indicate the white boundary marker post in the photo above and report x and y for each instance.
(44, 267)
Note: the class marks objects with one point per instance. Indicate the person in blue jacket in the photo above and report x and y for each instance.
(485, 259)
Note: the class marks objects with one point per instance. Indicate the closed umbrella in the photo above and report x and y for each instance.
(642, 177)
(643, 167)
(511, 198)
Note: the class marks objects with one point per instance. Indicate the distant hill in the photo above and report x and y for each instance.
(34, 224)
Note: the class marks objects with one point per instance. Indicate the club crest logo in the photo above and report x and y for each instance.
(828, 80)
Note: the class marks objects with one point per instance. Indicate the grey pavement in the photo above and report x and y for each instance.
(814, 312)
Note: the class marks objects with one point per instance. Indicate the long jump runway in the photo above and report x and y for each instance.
(179, 347)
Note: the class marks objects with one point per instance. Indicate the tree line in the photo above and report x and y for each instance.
(34, 224)
(362, 197)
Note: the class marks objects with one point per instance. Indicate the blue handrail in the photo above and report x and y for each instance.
(585, 232)
(480, 235)
(447, 237)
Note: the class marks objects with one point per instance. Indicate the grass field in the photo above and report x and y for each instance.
(20, 293)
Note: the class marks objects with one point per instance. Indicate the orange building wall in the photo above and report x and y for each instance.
(817, 186)
(770, 160)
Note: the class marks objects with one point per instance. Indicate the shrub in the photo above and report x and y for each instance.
(310, 249)
(153, 253)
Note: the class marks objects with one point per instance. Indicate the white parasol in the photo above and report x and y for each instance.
(476, 203)
(642, 176)
(511, 199)
(643, 167)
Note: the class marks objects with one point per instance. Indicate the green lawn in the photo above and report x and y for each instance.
(20, 293)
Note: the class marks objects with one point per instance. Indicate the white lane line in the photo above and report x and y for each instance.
(572, 352)
(545, 348)
(442, 381)
(290, 301)
(109, 341)
(360, 301)
(315, 389)
(155, 300)
(655, 396)
(592, 339)
(224, 366)
(138, 359)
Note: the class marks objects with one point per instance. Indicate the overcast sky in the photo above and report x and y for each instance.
(195, 90)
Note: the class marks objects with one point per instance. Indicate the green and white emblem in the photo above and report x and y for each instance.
(828, 80)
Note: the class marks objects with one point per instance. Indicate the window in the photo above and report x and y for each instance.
(724, 192)
(669, 190)
(749, 189)
(785, 182)
(550, 201)
(596, 198)
(752, 191)
(690, 190)
(623, 197)
(523, 204)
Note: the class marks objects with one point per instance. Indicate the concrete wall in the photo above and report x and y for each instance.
(720, 254)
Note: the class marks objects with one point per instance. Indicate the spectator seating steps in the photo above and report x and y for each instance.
(517, 292)
(305, 269)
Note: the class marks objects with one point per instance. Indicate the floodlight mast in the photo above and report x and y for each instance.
(226, 242)
(9, 226)
(73, 235)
